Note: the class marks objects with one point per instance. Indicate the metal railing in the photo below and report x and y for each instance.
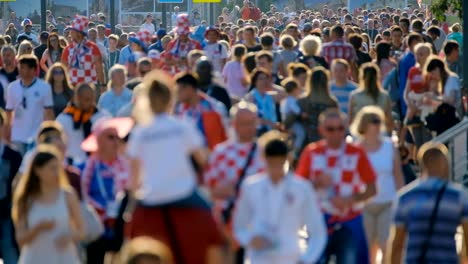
(456, 139)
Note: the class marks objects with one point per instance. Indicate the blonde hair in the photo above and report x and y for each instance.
(22, 48)
(311, 45)
(364, 117)
(117, 68)
(141, 247)
(29, 184)
(287, 42)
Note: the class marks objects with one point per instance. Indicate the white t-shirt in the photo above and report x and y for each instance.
(452, 88)
(216, 52)
(28, 105)
(76, 136)
(149, 27)
(382, 162)
(163, 148)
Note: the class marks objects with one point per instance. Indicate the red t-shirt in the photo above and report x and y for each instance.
(416, 80)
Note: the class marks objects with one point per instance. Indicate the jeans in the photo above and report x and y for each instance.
(347, 243)
(8, 247)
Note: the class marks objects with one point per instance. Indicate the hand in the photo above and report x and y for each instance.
(323, 181)
(226, 190)
(63, 241)
(341, 203)
(259, 243)
(45, 225)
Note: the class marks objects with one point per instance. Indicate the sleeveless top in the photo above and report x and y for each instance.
(42, 250)
(382, 162)
(362, 99)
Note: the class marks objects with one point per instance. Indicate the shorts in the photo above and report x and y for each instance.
(377, 221)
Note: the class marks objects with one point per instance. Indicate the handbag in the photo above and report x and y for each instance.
(227, 211)
(425, 245)
(93, 225)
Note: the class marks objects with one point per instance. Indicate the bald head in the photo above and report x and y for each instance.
(244, 121)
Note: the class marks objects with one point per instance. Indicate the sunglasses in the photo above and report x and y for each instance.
(335, 129)
(376, 121)
(58, 72)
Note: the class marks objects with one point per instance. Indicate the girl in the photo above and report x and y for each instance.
(52, 54)
(62, 91)
(46, 212)
(234, 73)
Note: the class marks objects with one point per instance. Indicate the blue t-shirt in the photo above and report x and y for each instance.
(112, 103)
(342, 94)
(413, 210)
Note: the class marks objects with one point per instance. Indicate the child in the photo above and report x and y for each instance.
(272, 208)
(289, 107)
(234, 74)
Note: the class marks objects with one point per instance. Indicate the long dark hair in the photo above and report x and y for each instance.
(383, 51)
(369, 80)
(435, 62)
(318, 88)
(49, 45)
(67, 87)
(29, 185)
(255, 74)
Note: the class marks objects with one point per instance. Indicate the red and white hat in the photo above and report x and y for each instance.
(80, 24)
(142, 38)
(122, 125)
(183, 24)
(154, 54)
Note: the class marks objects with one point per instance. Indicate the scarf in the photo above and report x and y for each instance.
(81, 118)
(80, 49)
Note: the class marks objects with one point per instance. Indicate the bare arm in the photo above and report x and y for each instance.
(43, 62)
(99, 70)
(397, 171)
(9, 115)
(135, 179)
(78, 230)
(25, 235)
(369, 192)
(395, 244)
(49, 114)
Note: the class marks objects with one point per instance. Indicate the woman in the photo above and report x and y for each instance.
(46, 212)
(113, 51)
(24, 48)
(12, 32)
(362, 57)
(310, 47)
(299, 71)
(443, 80)
(163, 180)
(288, 54)
(104, 178)
(118, 95)
(383, 60)
(234, 73)
(317, 100)
(57, 77)
(368, 127)
(370, 93)
(53, 53)
(261, 83)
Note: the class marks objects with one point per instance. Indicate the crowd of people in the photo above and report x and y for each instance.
(269, 137)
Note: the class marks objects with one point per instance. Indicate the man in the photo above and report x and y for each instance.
(204, 70)
(405, 64)
(174, 16)
(39, 50)
(126, 52)
(148, 25)
(371, 31)
(143, 67)
(428, 212)
(341, 86)
(339, 49)
(102, 39)
(452, 57)
(214, 50)
(29, 102)
(10, 161)
(405, 26)
(418, 27)
(27, 25)
(397, 42)
(8, 72)
(434, 33)
(276, 66)
(232, 161)
(78, 129)
(202, 110)
(83, 57)
(178, 49)
(272, 208)
(250, 40)
(158, 45)
(344, 177)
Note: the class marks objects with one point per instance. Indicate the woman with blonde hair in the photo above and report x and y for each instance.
(370, 92)
(46, 212)
(318, 99)
(62, 90)
(117, 95)
(311, 46)
(26, 47)
(368, 128)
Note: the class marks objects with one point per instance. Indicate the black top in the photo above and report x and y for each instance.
(362, 57)
(14, 159)
(218, 93)
(11, 76)
(254, 48)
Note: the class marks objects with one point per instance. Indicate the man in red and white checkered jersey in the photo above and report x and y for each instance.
(338, 48)
(228, 160)
(83, 57)
(344, 179)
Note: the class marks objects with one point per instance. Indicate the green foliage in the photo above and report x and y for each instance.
(440, 7)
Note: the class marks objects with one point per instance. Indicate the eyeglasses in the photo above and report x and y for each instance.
(335, 129)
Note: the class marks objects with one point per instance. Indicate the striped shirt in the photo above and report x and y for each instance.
(339, 49)
(413, 210)
(342, 94)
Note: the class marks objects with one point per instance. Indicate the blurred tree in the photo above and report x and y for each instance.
(441, 7)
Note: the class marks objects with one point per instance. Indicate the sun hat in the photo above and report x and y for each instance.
(142, 38)
(123, 126)
(183, 24)
(80, 24)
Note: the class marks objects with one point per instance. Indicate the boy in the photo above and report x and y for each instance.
(272, 208)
